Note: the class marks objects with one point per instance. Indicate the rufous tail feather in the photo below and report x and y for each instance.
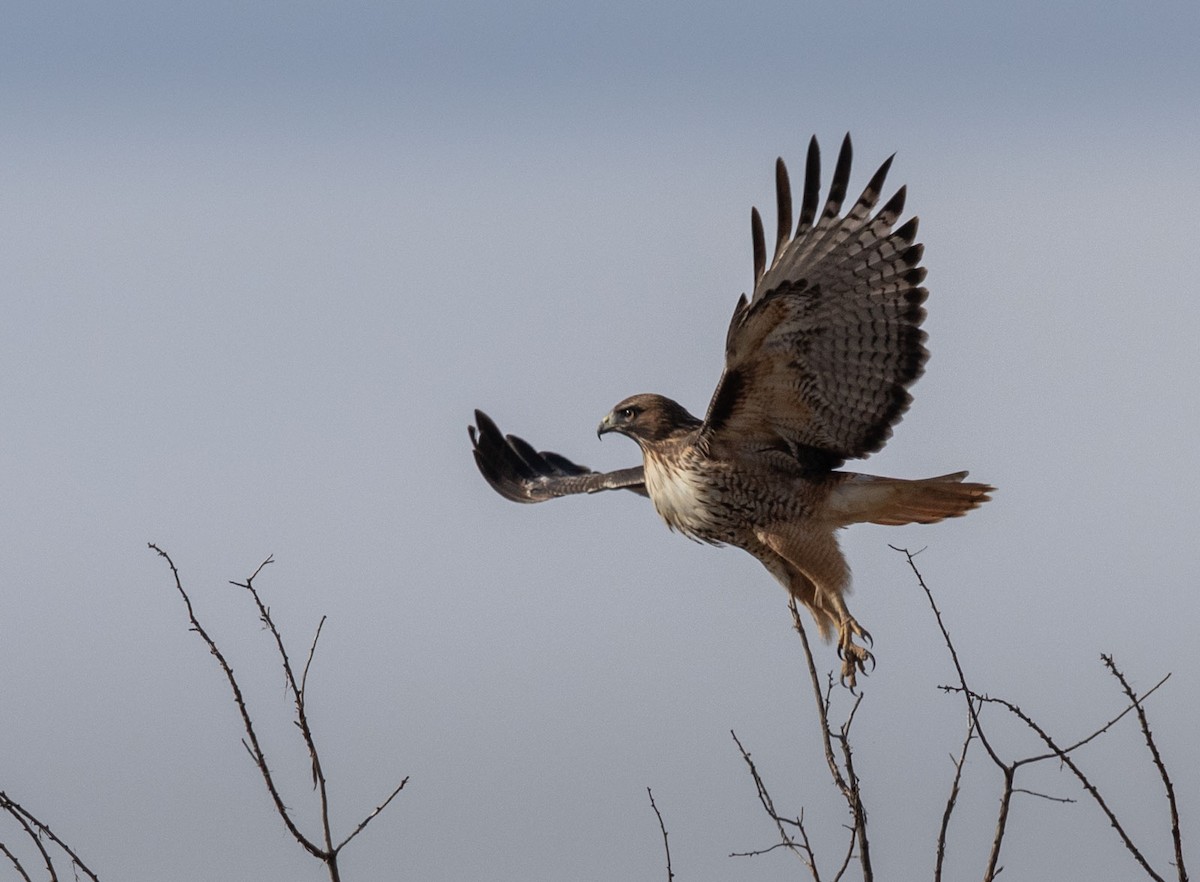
(896, 501)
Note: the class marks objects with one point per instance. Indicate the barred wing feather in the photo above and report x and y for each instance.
(819, 360)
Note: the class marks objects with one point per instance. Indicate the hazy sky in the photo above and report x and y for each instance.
(261, 261)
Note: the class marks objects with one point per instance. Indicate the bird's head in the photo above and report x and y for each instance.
(647, 418)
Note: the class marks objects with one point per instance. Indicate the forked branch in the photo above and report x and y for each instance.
(325, 850)
(975, 703)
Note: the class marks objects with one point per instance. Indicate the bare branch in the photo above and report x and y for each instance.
(847, 782)
(1045, 796)
(35, 830)
(972, 710)
(854, 796)
(15, 862)
(952, 799)
(369, 818)
(1094, 735)
(1008, 770)
(252, 743)
(822, 699)
(1083, 779)
(764, 797)
(13, 809)
(993, 868)
(663, 828)
(328, 853)
(760, 851)
(311, 652)
(1136, 702)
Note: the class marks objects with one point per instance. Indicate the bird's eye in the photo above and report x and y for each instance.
(628, 413)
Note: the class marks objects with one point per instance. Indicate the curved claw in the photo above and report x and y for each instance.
(854, 661)
(850, 672)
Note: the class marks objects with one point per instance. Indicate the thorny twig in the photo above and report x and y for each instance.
(36, 830)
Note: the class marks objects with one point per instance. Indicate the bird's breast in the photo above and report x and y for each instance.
(685, 497)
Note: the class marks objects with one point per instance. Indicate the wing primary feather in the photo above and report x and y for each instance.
(537, 462)
(894, 206)
(783, 199)
(906, 232)
(870, 194)
(735, 322)
(486, 426)
(841, 178)
(812, 185)
(495, 463)
(760, 244)
(491, 446)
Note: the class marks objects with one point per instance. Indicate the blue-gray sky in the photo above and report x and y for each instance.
(260, 263)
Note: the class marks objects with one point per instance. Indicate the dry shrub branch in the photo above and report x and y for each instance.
(839, 755)
(325, 847)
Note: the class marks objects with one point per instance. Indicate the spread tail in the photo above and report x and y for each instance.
(895, 501)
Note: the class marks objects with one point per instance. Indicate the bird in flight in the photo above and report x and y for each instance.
(818, 362)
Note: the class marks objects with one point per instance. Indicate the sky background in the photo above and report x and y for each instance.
(261, 261)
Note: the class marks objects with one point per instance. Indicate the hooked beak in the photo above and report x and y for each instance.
(608, 424)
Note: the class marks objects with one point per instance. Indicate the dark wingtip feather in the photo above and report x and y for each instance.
(891, 210)
(907, 231)
(783, 206)
(525, 451)
(760, 244)
(486, 426)
(841, 179)
(870, 194)
(812, 183)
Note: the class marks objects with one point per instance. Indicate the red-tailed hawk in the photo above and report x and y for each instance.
(817, 368)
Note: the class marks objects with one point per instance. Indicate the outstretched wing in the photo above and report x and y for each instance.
(818, 362)
(518, 472)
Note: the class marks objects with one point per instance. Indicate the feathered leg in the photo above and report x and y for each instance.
(811, 566)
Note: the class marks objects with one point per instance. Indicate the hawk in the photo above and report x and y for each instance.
(818, 363)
